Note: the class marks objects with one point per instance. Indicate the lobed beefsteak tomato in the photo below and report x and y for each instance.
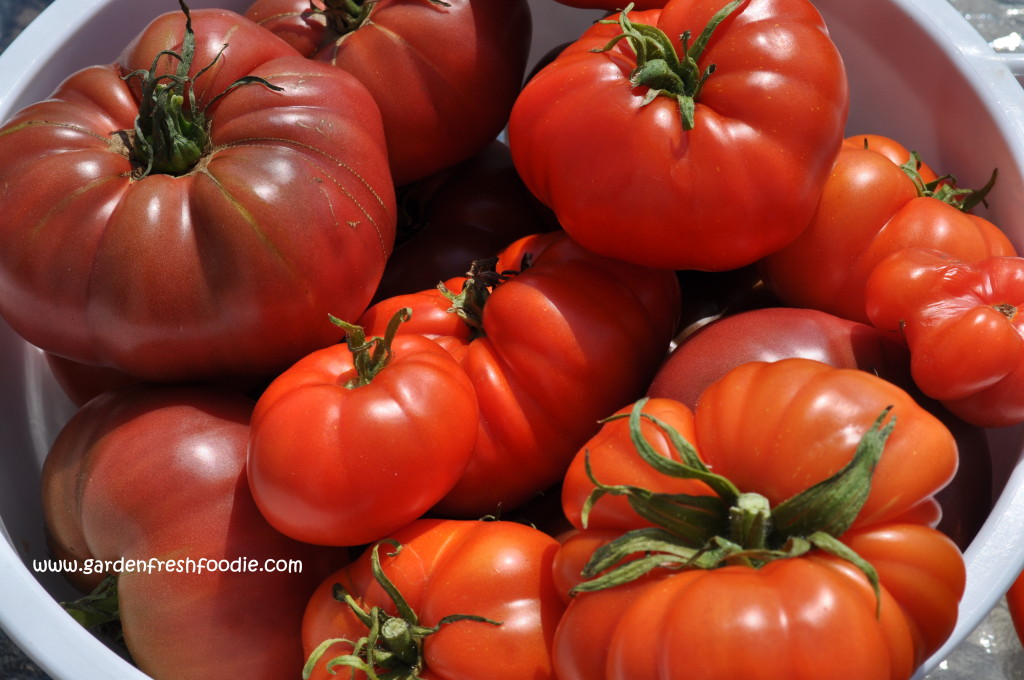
(703, 537)
(703, 131)
(451, 599)
(357, 440)
(219, 196)
(444, 72)
(879, 199)
(550, 348)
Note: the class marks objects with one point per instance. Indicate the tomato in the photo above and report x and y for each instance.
(157, 475)
(444, 73)
(357, 440)
(549, 350)
(961, 323)
(771, 334)
(449, 219)
(223, 264)
(1015, 605)
(717, 190)
(753, 601)
(498, 572)
(870, 207)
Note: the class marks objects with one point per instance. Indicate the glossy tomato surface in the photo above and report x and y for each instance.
(154, 478)
(444, 74)
(558, 346)
(741, 183)
(338, 460)
(226, 267)
(871, 207)
(497, 570)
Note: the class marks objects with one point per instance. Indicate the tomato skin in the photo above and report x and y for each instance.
(1015, 605)
(771, 622)
(178, 278)
(495, 569)
(337, 465)
(148, 472)
(774, 333)
(870, 208)
(565, 342)
(444, 77)
(962, 324)
(835, 406)
(582, 117)
(458, 215)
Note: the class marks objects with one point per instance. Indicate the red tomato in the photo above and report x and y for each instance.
(554, 348)
(760, 614)
(461, 214)
(771, 334)
(500, 571)
(445, 73)
(158, 475)
(1015, 605)
(735, 183)
(613, 5)
(359, 439)
(181, 274)
(962, 324)
(871, 207)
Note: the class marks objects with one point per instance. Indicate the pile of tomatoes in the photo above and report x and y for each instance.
(677, 383)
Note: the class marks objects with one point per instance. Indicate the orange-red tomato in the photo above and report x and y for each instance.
(497, 570)
(870, 207)
(774, 429)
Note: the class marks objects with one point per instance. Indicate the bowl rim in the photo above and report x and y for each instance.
(33, 619)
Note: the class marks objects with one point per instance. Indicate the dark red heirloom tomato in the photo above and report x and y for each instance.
(962, 323)
(727, 529)
(878, 199)
(357, 440)
(658, 160)
(444, 72)
(224, 257)
(613, 5)
(157, 475)
(454, 600)
(461, 214)
(551, 347)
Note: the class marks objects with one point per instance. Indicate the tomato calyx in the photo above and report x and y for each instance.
(944, 188)
(99, 610)
(344, 16)
(481, 280)
(728, 527)
(370, 357)
(663, 70)
(171, 132)
(393, 645)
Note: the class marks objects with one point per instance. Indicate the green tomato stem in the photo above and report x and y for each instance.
(663, 70)
(372, 356)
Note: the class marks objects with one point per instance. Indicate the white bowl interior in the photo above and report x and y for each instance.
(952, 99)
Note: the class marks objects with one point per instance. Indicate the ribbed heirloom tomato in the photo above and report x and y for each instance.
(444, 72)
(550, 345)
(357, 440)
(773, 533)
(879, 199)
(697, 136)
(157, 474)
(214, 205)
(447, 600)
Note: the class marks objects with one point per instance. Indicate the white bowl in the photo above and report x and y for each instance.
(918, 72)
